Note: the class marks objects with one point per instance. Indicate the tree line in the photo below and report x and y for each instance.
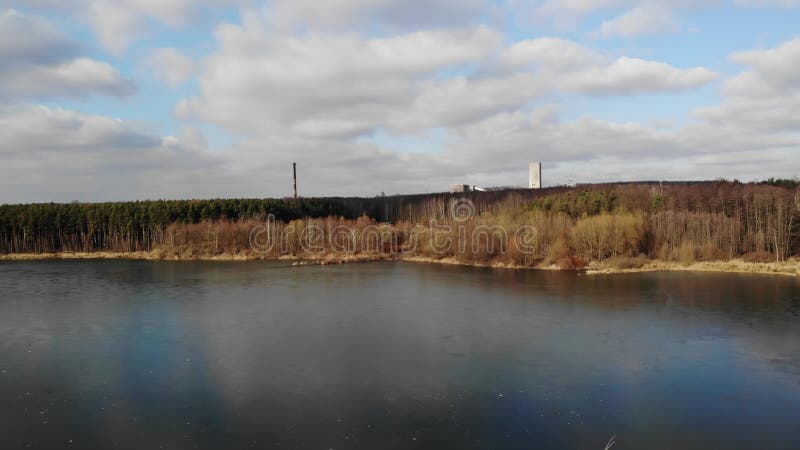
(712, 221)
(666, 221)
(134, 226)
(675, 221)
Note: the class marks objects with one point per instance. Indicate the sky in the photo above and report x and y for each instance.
(175, 99)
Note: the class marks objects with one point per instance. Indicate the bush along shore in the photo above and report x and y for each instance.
(714, 226)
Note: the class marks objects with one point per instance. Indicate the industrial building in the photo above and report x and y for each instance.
(535, 176)
(534, 181)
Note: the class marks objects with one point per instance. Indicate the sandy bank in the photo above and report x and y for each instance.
(789, 268)
(160, 256)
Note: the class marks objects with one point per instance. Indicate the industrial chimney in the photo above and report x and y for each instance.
(294, 178)
(535, 176)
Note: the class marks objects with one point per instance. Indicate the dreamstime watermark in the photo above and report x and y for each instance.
(458, 233)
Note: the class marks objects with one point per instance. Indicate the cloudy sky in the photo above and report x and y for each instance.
(135, 99)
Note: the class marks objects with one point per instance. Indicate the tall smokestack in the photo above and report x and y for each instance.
(294, 177)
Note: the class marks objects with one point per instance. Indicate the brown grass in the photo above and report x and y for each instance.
(625, 262)
(758, 257)
(789, 268)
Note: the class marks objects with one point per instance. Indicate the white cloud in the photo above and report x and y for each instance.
(80, 77)
(645, 19)
(42, 42)
(771, 114)
(633, 75)
(572, 14)
(53, 153)
(563, 14)
(554, 53)
(392, 14)
(773, 72)
(766, 3)
(766, 96)
(119, 23)
(336, 85)
(31, 129)
(171, 12)
(461, 100)
(115, 25)
(171, 65)
(328, 96)
(342, 85)
(569, 66)
(45, 63)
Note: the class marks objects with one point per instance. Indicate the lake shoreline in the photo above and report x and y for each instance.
(787, 268)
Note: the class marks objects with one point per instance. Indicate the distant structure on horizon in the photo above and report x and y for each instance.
(535, 176)
(294, 179)
(534, 182)
(458, 188)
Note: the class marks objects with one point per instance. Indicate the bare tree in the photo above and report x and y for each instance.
(797, 200)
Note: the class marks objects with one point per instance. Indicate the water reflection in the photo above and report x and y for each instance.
(392, 355)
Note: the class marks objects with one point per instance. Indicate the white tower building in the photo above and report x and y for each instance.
(535, 176)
